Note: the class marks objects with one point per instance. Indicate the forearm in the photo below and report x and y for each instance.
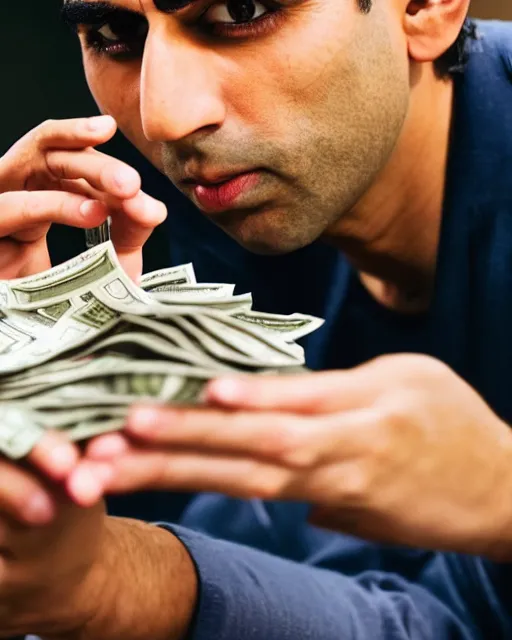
(252, 595)
(149, 585)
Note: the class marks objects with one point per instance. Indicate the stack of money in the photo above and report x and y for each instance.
(80, 343)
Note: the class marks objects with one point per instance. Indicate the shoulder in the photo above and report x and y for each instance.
(496, 33)
(490, 51)
(482, 129)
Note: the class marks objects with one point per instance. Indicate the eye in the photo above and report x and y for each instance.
(107, 33)
(234, 12)
(123, 36)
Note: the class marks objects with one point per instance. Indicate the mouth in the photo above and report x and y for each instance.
(221, 192)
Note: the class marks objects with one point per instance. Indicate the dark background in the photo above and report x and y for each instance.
(41, 70)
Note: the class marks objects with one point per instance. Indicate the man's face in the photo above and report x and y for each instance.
(274, 117)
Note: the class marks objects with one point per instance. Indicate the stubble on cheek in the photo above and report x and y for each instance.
(356, 102)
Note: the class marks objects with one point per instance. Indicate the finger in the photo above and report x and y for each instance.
(277, 436)
(54, 456)
(101, 171)
(132, 225)
(185, 471)
(83, 188)
(287, 439)
(21, 211)
(30, 151)
(133, 221)
(106, 447)
(18, 260)
(142, 208)
(74, 133)
(24, 165)
(32, 258)
(23, 497)
(88, 482)
(308, 393)
(141, 204)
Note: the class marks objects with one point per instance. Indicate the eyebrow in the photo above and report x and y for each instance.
(78, 12)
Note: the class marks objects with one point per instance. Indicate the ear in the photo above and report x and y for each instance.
(432, 26)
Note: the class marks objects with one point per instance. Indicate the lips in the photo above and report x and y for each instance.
(223, 195)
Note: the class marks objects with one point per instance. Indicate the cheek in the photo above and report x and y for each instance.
(296, 79)
(116, 90)
(324, 87)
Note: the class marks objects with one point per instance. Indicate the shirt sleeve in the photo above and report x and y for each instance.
(247, 594)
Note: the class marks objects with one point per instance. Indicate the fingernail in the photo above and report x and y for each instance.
(39, 509)
(226, 390)
(145, 420)
(97, 124)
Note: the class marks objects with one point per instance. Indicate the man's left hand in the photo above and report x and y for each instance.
(399, 450)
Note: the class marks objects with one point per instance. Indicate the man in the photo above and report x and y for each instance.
(288, 122)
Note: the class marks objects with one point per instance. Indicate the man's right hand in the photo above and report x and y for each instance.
(71, 572)
(54, 175)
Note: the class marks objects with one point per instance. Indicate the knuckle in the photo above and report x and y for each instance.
(164, 472)
(289, 443)
(61, 207)
(106, 171)
(266, 484)
(400, 426)
(55, 164)
(30, 209)
(380, 447)
(356, 484)
(411, 368)
(425, 363)
(45, 130)
(395, 419)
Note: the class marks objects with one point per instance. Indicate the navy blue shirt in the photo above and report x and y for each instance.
(265, 574)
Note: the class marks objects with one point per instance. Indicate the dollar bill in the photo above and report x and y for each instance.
(162, 280)
(19, 431)
(97, 268)
(80, 343)
(292, 327)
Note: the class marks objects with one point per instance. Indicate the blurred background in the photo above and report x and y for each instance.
(42, 78)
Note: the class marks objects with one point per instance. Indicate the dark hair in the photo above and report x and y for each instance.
(454, 59)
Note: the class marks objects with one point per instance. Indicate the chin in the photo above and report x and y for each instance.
(271, 231)
(266, 240)
(262, 248)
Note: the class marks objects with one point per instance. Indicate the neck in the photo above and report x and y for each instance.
(392, 234)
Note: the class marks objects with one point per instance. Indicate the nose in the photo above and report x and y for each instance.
(180, 94)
